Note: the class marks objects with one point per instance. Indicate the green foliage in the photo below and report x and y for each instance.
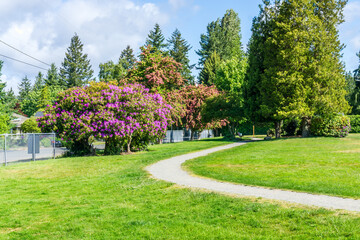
(53, 79)
(110, 71)
(39, 82)
(127, 58)
(355, 123)
(335, 126)
(228, 106)
(156, 39)
(4, 123)
(223, 36)
(261, 128)
(294, 61)
(76, 69)
(179, 50)
(208, 73)
(30, 126)
(355, 93)
(24, 88)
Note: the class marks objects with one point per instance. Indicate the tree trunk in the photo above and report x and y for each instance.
(278, 129)
(129, 145)
(305, 125)
(192, 135)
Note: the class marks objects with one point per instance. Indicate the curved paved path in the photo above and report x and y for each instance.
(170, 170)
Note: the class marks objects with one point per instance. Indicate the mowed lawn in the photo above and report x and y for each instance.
(112, 197)
(318, 165)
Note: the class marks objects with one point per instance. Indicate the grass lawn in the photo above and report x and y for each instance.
(112, 197)
(319, 165)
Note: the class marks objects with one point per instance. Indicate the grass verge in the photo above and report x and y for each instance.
(112, 197)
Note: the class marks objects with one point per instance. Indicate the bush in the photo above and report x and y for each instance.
(336, 126)
(127, 117)
(4, 123)
(355, 123)
(246, 128)
(30, 126)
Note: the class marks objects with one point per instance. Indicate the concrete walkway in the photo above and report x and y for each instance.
(170, 170)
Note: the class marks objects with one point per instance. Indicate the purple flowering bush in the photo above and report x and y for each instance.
(126, 117)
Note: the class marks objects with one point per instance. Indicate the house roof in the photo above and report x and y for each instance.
(18, 119)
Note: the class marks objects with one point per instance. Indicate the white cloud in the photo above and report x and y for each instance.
(355, 41)
(44, 28)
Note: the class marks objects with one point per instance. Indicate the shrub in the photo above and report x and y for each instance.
(30, 126)
(336, 126)
(127, 117)
(355, 123)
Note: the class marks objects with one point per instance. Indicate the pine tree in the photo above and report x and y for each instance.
(156, 39)
(53, 78)
(208, 73)
(179, 50)
(127, 58)
(39, 82)
(223, 37)
(24, 88)
(76, 69)
(10, 99)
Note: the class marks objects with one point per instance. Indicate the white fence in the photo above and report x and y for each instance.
(27, 147)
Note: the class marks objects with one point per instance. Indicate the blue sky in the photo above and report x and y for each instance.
(44, 28)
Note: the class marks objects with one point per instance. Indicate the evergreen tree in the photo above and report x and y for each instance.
(127, 58)
(10, 99)
(355, 96)
(179, 50)
(223, 37)
(2, 87)
(208, 73)
(76, 69)
(294, 61)
(156, 39)
(53, 78)
(24, 88)
(39, 82)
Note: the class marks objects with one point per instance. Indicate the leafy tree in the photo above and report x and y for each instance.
(194, 98)
(4, 123)
(76, 69)
(179, 50)
(229, 105)
(24, 88)
(223, 37)
(156, 72)
(156, 39)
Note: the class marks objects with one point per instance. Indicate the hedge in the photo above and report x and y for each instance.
(355, 123)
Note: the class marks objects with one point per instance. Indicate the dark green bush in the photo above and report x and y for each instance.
(290, 127)
(355, 123)
(336, 126)
(246, 128)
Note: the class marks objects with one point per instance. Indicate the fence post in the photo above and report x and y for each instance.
(5, 155)
(54, 144)
(33, 145)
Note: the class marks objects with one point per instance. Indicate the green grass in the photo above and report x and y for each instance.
(112, 197)
(318, 165)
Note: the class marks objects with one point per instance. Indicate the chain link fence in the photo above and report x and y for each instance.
(185, 135)
(28, 147)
